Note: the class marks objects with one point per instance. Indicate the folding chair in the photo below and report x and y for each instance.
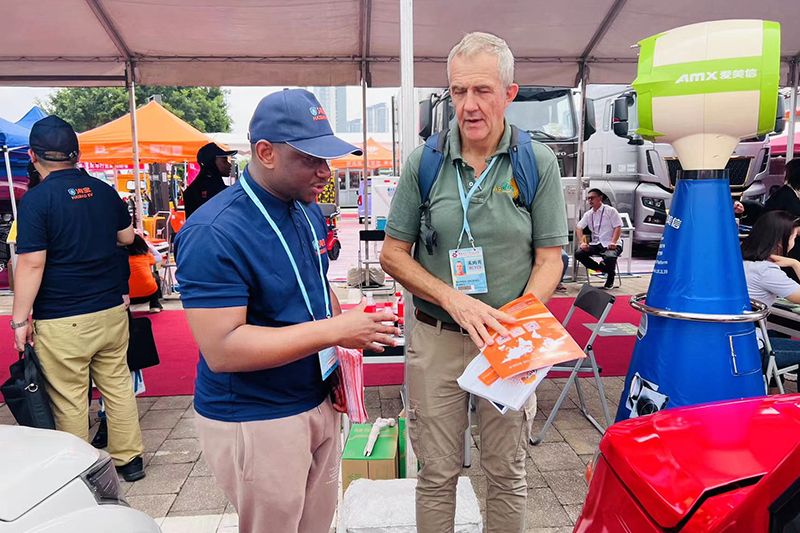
(598, 304)
(365, 237)
(773, 372)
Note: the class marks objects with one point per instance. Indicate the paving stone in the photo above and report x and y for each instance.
(161, 479)
(172, 402)
(549, 530)
(201, 494)
(191, 524)
(177, 451)
(184, 429)
(154, 438)
(390, 392)
(583, 441)
(569, 486)
(586, 458)
(391, 408)
(201, 468)
(229, 519)
(543, 510)
(574, 511)
(552, 435)
(552, 456)
(161, 419)
(6, 418)
(156, 506)
(534, 477)
(189, 413)
(571, 419)
(372, 398)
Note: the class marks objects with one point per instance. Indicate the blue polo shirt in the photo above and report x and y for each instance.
(75, 218)
(229, 256)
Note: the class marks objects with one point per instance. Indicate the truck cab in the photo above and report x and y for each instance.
(639, 176)
(549, 114)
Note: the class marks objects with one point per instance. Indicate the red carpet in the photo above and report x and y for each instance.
(178, 351)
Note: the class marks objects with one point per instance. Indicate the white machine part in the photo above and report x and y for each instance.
(376, 430)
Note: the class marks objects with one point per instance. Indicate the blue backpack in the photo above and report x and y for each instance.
(523, 164)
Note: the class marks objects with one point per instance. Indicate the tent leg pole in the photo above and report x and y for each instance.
(579, 185)
(135, 137)
(794, 72)
(408, 108)
(365, 197)
(10, 183)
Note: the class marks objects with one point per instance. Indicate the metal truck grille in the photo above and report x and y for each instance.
(737, 169)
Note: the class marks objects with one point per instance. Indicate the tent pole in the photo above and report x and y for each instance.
(135, 138)
(10, 183)
(408, 107)
(394, 139)
(584, 73)
(365, 197)
(793, 72)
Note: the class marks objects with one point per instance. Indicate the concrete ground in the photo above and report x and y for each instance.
(180, 493)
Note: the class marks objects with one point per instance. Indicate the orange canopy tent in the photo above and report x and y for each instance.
(163, 138)
(377, 157)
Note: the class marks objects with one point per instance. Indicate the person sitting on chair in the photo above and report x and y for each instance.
(606, 225)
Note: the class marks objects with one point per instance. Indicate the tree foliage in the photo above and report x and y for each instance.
(86, 108)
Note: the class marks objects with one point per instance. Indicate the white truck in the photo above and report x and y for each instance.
(639, 176)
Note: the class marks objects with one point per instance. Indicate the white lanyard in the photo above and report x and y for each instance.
(465, 198)
(315, 246)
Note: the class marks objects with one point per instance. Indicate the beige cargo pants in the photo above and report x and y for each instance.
(437, 420)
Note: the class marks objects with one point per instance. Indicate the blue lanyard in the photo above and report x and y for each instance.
(465, 198)
(315, 246)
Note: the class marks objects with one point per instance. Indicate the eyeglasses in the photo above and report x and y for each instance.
(590, 198)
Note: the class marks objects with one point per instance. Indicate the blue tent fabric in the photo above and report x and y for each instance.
(31, 117)
(13, 135)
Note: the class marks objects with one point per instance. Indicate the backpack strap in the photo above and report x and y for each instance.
(523, 165)
(429, 168)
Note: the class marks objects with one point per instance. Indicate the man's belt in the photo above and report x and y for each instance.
(425, 318)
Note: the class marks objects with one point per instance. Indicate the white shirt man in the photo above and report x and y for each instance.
(605, 225)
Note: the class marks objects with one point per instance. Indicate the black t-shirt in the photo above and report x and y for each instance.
(75, 218)
(784, 199)
(203, 188)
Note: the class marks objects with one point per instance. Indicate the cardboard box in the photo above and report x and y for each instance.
(382, 464)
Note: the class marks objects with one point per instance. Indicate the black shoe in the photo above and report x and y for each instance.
(609, 282)
(100, 439)
(133, 471)
(156, 308)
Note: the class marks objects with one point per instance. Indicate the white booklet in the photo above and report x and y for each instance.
(480, 379)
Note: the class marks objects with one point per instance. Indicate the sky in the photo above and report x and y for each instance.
(16, 101)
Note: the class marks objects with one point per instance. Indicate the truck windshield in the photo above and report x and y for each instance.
(546, 115)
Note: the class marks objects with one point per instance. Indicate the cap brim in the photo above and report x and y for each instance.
(228, 154)
(325, 147)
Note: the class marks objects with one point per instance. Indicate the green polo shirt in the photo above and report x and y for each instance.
(507, 232)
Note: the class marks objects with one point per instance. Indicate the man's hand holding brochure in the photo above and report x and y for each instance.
(508, 372)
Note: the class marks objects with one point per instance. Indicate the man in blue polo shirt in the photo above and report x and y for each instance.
(69, 229)
(252, 267)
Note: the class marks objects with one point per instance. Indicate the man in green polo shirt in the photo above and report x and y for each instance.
(520, 252)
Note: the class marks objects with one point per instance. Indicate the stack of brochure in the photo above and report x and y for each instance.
(351, 383)
(508, 372)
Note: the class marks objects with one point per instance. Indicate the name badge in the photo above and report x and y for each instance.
(468, 270)
(327, 362)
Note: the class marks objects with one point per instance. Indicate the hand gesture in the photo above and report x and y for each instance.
(584, 246)
(475, 317)
(364, 331)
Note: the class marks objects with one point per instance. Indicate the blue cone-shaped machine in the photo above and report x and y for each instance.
(696, 342)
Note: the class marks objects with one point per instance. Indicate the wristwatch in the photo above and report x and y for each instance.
(17, 325)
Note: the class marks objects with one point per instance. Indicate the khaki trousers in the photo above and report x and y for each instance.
(281, 475)
(71, 348)
(437, 420)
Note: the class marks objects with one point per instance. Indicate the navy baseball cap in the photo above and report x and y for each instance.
(53, 134)
(295, 117)
(211, 151)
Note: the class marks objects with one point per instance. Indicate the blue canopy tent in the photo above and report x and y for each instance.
(31, 117)
(14, 143)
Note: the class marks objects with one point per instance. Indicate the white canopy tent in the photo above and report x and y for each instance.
(344, 42)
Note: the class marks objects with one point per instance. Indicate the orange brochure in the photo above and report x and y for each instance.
(537, 340)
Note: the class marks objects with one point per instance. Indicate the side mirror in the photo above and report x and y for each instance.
(425, 119)
(589, 124)
(780, 118)
(621, 129)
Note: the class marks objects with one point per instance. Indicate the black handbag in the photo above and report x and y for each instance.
(142, 351)
(25, 392)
